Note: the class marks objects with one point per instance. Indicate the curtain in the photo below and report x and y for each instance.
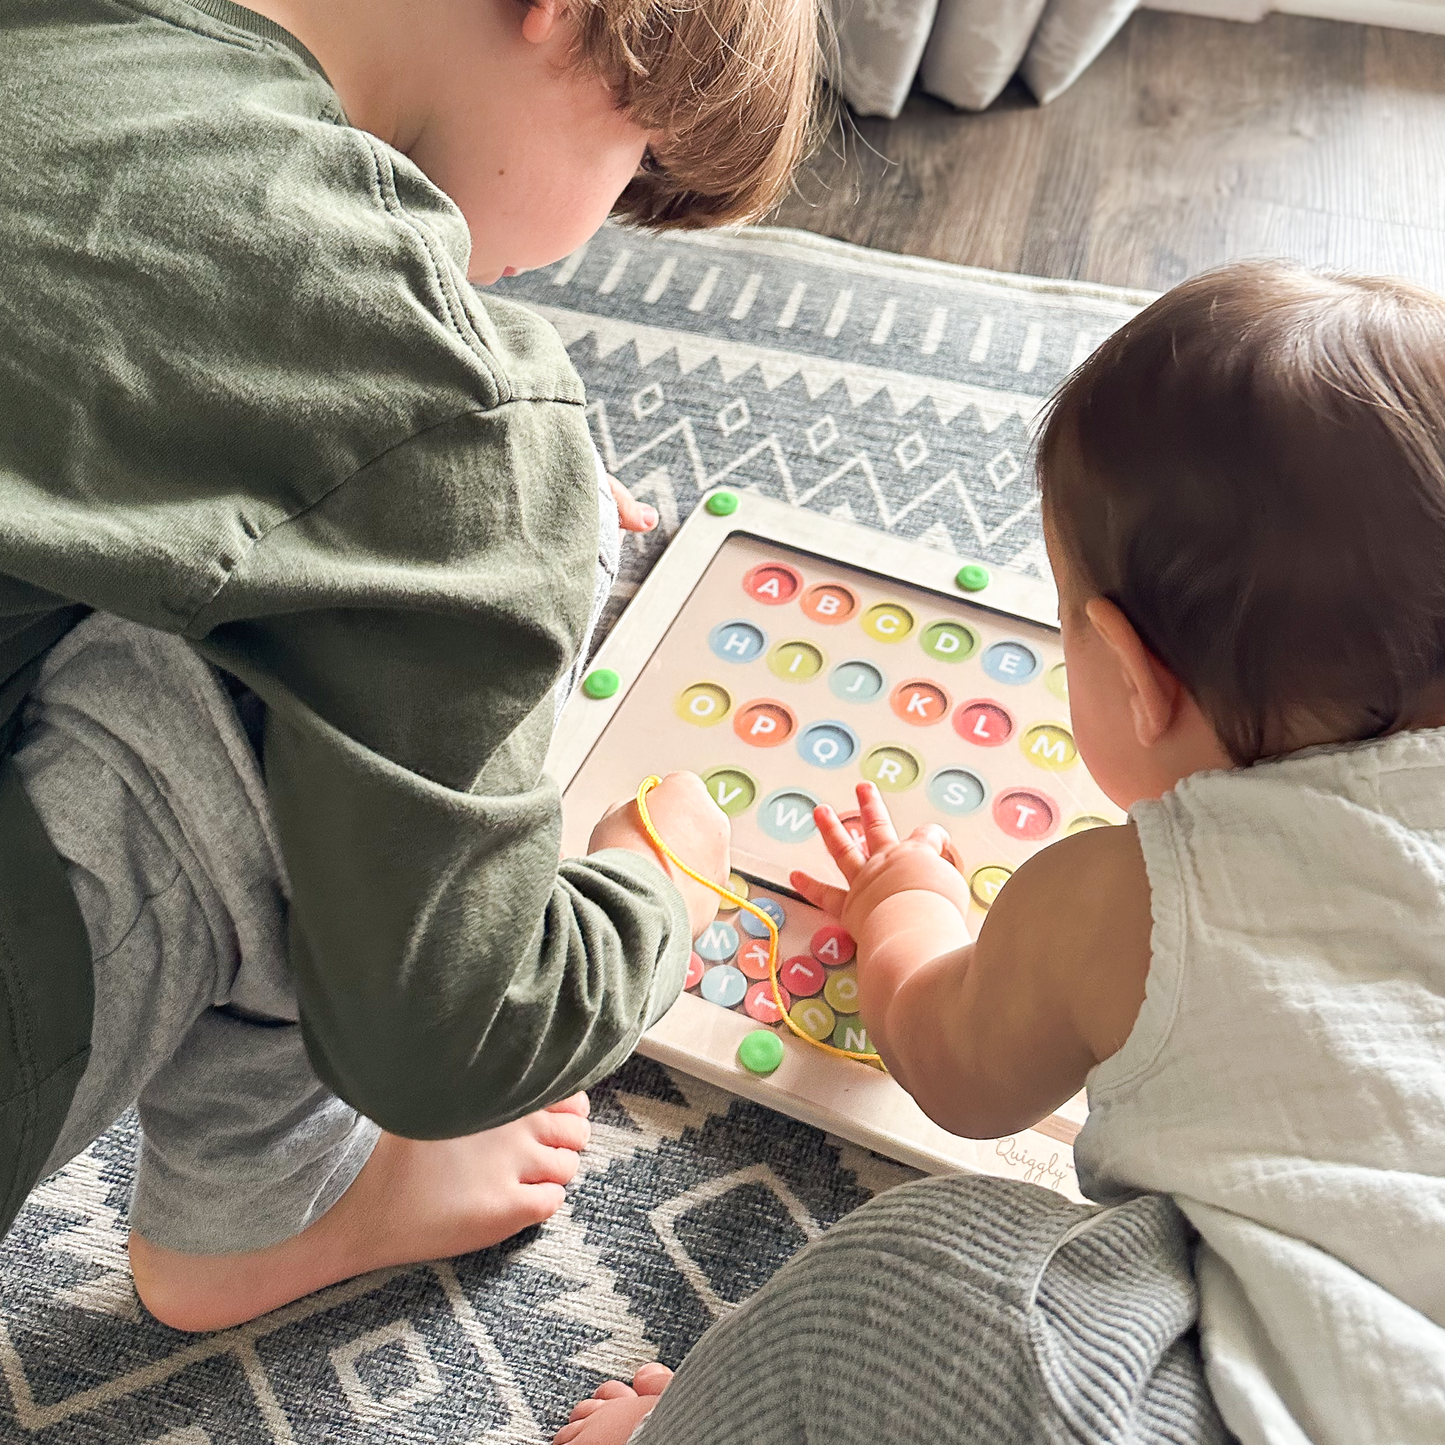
(965, 51)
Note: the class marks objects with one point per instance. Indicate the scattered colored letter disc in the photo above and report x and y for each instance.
(760, 1004)
(753, 926)
(803, 976)
(722, 504)
(723, 985)
(841, 990)
(833, 944)
(851, 1036)
(814, 1017)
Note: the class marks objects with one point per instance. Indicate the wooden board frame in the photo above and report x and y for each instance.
(849, 1099)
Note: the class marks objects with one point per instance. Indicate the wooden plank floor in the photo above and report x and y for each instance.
(1189, 142)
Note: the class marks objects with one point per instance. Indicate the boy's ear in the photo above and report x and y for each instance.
(1154, 692)
(540, 20)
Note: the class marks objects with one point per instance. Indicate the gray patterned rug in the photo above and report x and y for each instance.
(893, 391)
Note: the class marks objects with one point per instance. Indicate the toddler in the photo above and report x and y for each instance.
(301, 544)
(1244, 504)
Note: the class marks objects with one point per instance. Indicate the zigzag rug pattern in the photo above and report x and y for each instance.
(896, 392)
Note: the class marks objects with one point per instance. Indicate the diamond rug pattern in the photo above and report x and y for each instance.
(896, 392)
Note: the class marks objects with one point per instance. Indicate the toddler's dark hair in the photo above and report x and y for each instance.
(1253, 470)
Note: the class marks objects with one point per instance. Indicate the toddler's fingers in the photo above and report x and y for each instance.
(935, 836)
(877, 825)
(820, 895)
(842, 846)
(632, 515)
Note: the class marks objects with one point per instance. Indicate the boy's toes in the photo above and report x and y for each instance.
(561, 1131)
(538, 1202)
(582, 1409)
(577, 1104)
(551, 1167)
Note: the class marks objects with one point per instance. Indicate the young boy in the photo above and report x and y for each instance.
(302, 543)
(1244, 504)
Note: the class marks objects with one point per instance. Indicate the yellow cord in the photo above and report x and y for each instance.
(648, 784)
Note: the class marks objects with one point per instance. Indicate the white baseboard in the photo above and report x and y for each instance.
(1214, 9)
(1426, 15)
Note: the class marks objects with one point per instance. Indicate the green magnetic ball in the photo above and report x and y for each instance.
(972, 578)
(723, 504)
(601, 682)
(761, 1052)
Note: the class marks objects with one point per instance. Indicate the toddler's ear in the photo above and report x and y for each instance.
(1154, 692)
(540, 20)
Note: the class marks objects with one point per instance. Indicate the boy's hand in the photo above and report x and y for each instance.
(632, 515)
(882, 865)
(691, 824)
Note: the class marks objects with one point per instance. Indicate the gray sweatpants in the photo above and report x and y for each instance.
(135, 760)
(960, 1309)
(134, 757)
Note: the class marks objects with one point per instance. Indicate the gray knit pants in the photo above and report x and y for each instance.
(135, 761)
(957, 1310)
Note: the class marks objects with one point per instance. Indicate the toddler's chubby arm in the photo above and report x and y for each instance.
(990, 1036)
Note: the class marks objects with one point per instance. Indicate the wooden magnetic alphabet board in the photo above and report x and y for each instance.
(783, 656)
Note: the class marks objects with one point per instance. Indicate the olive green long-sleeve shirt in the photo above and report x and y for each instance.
(247, 396)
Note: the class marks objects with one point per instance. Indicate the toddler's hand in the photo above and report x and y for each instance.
(882, 866)
(690, 823)
(632, 515)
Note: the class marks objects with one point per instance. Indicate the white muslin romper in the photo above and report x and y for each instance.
(1285, 1084)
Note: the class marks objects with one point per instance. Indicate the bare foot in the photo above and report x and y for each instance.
(611, 1415)
(413, 1200)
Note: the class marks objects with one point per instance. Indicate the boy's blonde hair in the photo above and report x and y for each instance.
(735, 86)
(1253, 470)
